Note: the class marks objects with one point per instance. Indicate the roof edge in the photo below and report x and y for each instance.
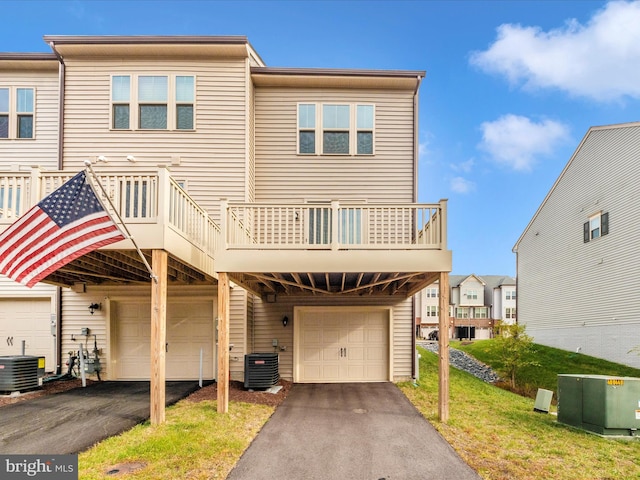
(336, 72)
(564, 170)
(145, 39)
(45, 56)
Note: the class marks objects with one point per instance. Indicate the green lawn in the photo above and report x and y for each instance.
(499, 435)
(552, 361)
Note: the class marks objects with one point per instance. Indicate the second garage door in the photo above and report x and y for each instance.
(189, 329)
(342, 346)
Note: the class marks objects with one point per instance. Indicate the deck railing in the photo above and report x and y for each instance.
(139, 197)
(336, 225)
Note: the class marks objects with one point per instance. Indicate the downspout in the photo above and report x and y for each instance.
(61, 84)
(416, 152)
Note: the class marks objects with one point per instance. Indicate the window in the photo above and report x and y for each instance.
(4, 113)
(510, 294)
(120, 101)
(17, 109)
(335, 129)
(597, 226)
(346, 129)
(432, 310)
(364, 125)
(432, 293)
(462, 312)
(472, 294)
(153, 102)
(184, 102)
(510, 313)
(306, 128)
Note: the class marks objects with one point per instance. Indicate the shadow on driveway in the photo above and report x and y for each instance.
(367, 431)
(73, 421)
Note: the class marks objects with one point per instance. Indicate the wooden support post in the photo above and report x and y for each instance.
(443, 349)
(158, 336)
(223, 342)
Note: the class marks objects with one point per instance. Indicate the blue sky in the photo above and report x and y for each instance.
(511, 86)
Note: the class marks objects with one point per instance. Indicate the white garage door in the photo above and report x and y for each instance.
(28, 320)
(342, 346)
(189, 329)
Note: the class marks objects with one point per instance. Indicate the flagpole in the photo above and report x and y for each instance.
(153, 276)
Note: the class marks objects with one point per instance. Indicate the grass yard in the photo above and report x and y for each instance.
(194, 443)
(552, 361)
(500, 436)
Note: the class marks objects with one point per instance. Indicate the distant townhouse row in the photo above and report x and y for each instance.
(478, 304)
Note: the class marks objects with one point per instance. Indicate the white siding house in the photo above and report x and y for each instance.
(579, 256)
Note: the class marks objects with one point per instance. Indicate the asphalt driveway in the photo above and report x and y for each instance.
(349, 431)
(73, 421)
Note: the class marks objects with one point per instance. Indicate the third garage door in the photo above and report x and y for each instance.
(342, 346)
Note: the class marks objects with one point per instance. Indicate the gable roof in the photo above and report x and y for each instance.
(564, 170)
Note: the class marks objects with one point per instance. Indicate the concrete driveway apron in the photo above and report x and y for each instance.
(349, 431)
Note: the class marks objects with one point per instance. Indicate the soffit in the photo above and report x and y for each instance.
(335, 78)
(28, 61)
(150, 47)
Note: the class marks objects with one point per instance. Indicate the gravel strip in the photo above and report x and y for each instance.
(463, 361)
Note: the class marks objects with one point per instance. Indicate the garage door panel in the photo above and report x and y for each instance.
(189, 330)
(343, 346)
(28, 320)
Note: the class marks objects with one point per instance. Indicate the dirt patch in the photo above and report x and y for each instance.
(237, 393)
(48, 388)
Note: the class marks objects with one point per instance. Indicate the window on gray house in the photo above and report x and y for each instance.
(597, 226)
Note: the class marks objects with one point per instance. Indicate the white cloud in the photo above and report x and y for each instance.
(465, 167)
(462, 185)
(517, 142)
(599, 60)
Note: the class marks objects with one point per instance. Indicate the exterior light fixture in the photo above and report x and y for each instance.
(93, 307)
(285, 320)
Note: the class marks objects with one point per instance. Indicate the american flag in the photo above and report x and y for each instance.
(65, 225)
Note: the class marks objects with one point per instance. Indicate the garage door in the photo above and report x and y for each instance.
(189, 329)
(342, 346)
(28, 320)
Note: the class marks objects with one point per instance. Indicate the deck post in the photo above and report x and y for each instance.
(443, 348)
(158, 336)
(223, 342)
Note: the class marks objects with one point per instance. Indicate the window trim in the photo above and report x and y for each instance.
(352, 130)
(603, 227)
(14, 116)
(135, 104)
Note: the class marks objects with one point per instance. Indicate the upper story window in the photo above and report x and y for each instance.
(510, 294)
(481, 312)
(597, 226)
(152, 102)
(345, 129)
(432, 310)
(510, 313)
(462, 312)
(17, 109)
(432, 293)
(472, 294)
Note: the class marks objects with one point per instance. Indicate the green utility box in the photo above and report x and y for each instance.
(602, 404)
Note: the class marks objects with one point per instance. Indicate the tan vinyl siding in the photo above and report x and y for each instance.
(76, 314)
(251, 157)
(268, 326)
(237, 332)
(211, 159)
(573, 294)
(282, 174)
(43, 149)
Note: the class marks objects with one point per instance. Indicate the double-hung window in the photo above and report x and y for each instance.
(335, 129)
(17, 110)
(597, 226)
(153, 102)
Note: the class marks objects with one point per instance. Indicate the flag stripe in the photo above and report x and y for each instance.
(18, 235)
(50, 234)
(54, 263)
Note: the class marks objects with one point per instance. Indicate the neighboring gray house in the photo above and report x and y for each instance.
(578, 260)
